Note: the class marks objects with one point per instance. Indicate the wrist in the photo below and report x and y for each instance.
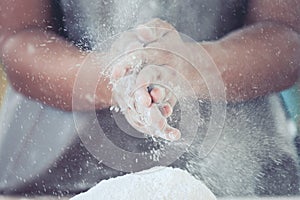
(91, 88)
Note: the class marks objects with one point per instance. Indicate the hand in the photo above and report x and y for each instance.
(147, 108)
(152, 103)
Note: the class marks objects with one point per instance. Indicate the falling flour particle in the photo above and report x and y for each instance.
(158, 183)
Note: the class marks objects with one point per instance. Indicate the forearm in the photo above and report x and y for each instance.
(43, 66)
(257, 60)
(39, 63)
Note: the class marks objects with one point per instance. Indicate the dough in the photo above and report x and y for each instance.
(158, 183)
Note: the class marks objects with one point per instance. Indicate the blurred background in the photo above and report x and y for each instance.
(3, 83)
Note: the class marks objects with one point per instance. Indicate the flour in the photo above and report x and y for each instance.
(122, 92)
(158, 183)
(128, 102)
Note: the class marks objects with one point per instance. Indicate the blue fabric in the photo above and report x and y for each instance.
(291, 99)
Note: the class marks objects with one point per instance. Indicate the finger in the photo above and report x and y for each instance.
(148, 75)
(120, 70)
(133, 46)
(156, 22)
(167, 39)
(162, 128)
(162, 30)
(165, 101)
(157, 76)
(172, 133)
(170, 98)
(134, 120)
(142, 120)
(148, 119)
(145, 34)
(153, 30)
(158, 94)
(143, 97)
(127, 64)
(153, 123)
(166, 109)
(123, 41)
(158, 120)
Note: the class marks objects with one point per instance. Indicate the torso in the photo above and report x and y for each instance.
(90, 23)
(95, 21)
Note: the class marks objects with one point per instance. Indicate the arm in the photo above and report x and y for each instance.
(40, 64)
(262, 57)
(259, 59)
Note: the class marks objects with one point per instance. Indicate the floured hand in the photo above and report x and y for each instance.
(146, 105)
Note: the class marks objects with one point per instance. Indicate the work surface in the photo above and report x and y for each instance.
(55, 198)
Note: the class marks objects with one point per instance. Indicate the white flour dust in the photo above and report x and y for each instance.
(123, 91)
(158, 183)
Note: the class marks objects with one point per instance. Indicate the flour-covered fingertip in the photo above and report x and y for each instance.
(166, 110)
(173, 134)
(143, 97)
(158, 94)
